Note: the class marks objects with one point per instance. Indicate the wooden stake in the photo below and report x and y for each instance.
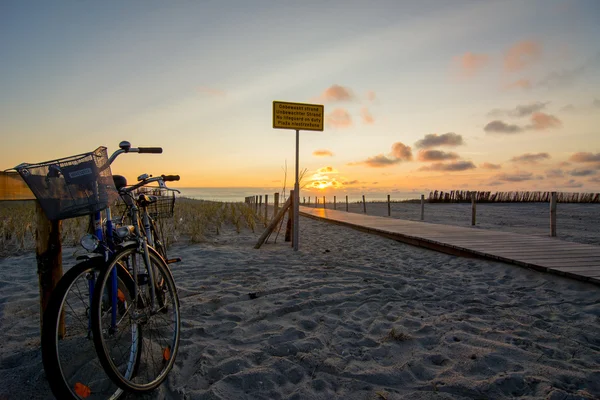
(553, 214)
(389, 207)
(278, 216)
(48, 250)
(276, 203)
(422, 207)
(473, 209)
(334, 203)
(364, 204)
(346, 203)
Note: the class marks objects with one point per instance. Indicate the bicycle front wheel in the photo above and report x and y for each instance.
(156, 317)
(68, 353)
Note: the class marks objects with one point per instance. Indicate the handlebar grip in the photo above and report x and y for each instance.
(155, 150)
(169, 178)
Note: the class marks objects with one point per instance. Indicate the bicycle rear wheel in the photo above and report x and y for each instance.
(160, 324)
(68, 354)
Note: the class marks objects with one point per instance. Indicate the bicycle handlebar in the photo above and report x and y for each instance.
(154, 150)
(170, 178)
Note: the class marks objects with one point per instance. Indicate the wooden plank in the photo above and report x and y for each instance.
(577, 260)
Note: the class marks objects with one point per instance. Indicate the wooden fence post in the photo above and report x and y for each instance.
(289, 228)
(323, 201)
(346, 203)
(334, 203)
(266, 208)
(260, 205)
(364, 204)
(422, 207)
(276, 203)
(389, 207)
(473, 208)
(553, 214)
(48, 252)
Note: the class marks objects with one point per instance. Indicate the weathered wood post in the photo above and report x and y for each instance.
(324, 202)
(48, 251)
(334, 203)
(553, 214)
(364, 204)
(346, 202)
(422, 207)
(389, 207)
(255, 204)
(289, 226)
(266, 208)
(473, 208)
(260, 205)
(275, 203)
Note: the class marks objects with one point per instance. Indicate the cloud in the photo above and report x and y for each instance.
(520, 110)
(327, 170)
(322, 153)
(498, 126)
(595, 179)
(585, 157)
(529, 158)
(572, 184)
(378, 161)
(434, 140)
(366, 116)
(487, 165)
(211, 91)
(519, 84)
(338, 118)
(437, 155)
(401, 151)
(517, 177)
(371, 95)
(470, 64)
(354, 182)
(336, 93)
(455, 166)
(554, 173)
(541, 121)
(563, 77)
(582, 172)
(521, 55)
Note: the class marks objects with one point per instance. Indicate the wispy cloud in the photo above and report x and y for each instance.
(498, 126)
(487, 165)
(520, 110)
(583, 172)
(572, 183)
(322, 153)
(335, 93)
(371, 95)
(529, 158)
(470, 64)
(366, 116)
(554, 173)
(585, 157)
(433, 140)
(400, 152)
(521, 55)
(436, 155)
(519, 84)
(338, 118)
(542, 121)
(454, 166)
(516, 177)
(539, 121)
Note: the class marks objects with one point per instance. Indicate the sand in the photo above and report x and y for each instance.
(349, 316)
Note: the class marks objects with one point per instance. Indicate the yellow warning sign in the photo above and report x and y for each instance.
(299, 116)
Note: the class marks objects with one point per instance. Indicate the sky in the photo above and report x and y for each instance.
(418, 96)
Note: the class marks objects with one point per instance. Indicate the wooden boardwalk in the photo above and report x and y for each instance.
(580, 261)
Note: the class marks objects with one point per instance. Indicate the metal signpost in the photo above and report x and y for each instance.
(298, 116)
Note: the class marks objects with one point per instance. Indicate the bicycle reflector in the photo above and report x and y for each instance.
(89, 242)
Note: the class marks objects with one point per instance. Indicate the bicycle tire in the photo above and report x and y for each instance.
(72, 367)
(160, 334)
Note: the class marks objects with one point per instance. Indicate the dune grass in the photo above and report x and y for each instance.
(193, 220)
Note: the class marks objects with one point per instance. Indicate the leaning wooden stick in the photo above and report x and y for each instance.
(273, 223)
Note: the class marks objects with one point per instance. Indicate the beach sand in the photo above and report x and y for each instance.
(349, 316)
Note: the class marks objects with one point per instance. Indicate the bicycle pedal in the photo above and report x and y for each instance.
(173, 260)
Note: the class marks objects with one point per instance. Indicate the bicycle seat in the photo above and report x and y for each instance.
(120, 181)
(144, 200)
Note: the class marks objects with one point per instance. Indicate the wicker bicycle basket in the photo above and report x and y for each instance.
(162, 207)
(72, 186)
